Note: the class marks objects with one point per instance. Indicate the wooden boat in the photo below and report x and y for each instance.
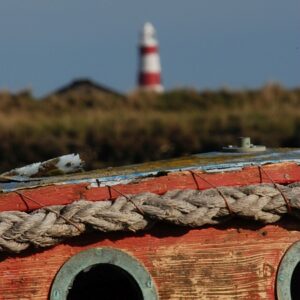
(189, 228)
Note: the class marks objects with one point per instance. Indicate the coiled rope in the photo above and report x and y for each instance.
(265, 203)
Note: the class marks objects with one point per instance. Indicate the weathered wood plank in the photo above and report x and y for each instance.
(237, 262)
(63, 194)
(49, 195)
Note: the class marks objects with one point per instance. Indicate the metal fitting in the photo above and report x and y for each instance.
(244, 147)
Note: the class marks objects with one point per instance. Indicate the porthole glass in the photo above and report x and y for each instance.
(107, 280)
(288, 277)
(103, 273)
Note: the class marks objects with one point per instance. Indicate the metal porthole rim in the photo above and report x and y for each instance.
(87, 258)
(286, 268)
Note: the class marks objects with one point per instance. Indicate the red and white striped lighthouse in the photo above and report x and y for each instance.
(149, 66)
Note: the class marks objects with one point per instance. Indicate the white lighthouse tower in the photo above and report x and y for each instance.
(149, 77)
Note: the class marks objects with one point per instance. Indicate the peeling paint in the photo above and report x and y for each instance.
(207, 162)
(57, 166)
(69, 163)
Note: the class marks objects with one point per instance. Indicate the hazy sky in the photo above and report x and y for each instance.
(204, 43)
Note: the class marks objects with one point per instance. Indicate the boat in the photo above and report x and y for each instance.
(220, 225)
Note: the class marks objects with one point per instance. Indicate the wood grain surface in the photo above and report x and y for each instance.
(238, 261)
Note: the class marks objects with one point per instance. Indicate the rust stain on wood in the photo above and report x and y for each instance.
(212, 263)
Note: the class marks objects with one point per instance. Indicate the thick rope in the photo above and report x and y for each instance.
(51, 225)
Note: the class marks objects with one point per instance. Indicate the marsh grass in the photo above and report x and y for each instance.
(110, 130)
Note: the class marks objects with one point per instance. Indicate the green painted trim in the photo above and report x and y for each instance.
(66, 275)
(285, 272)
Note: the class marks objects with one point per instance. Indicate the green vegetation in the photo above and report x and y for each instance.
(109, 130)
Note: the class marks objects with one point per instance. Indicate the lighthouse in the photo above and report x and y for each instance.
(149, 77)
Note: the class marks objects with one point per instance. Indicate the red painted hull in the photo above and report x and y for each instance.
(283, 173)
(236, 261)
(211, 263)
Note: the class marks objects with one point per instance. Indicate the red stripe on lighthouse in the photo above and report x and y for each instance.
(146, 79)
(148, 50)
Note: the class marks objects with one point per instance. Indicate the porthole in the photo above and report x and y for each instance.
(103, 273)
(288, 276)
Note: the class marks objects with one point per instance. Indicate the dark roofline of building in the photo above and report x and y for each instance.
(88, 82)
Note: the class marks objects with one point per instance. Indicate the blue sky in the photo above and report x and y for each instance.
(203, 43)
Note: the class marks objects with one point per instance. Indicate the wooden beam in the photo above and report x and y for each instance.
(33, 198)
